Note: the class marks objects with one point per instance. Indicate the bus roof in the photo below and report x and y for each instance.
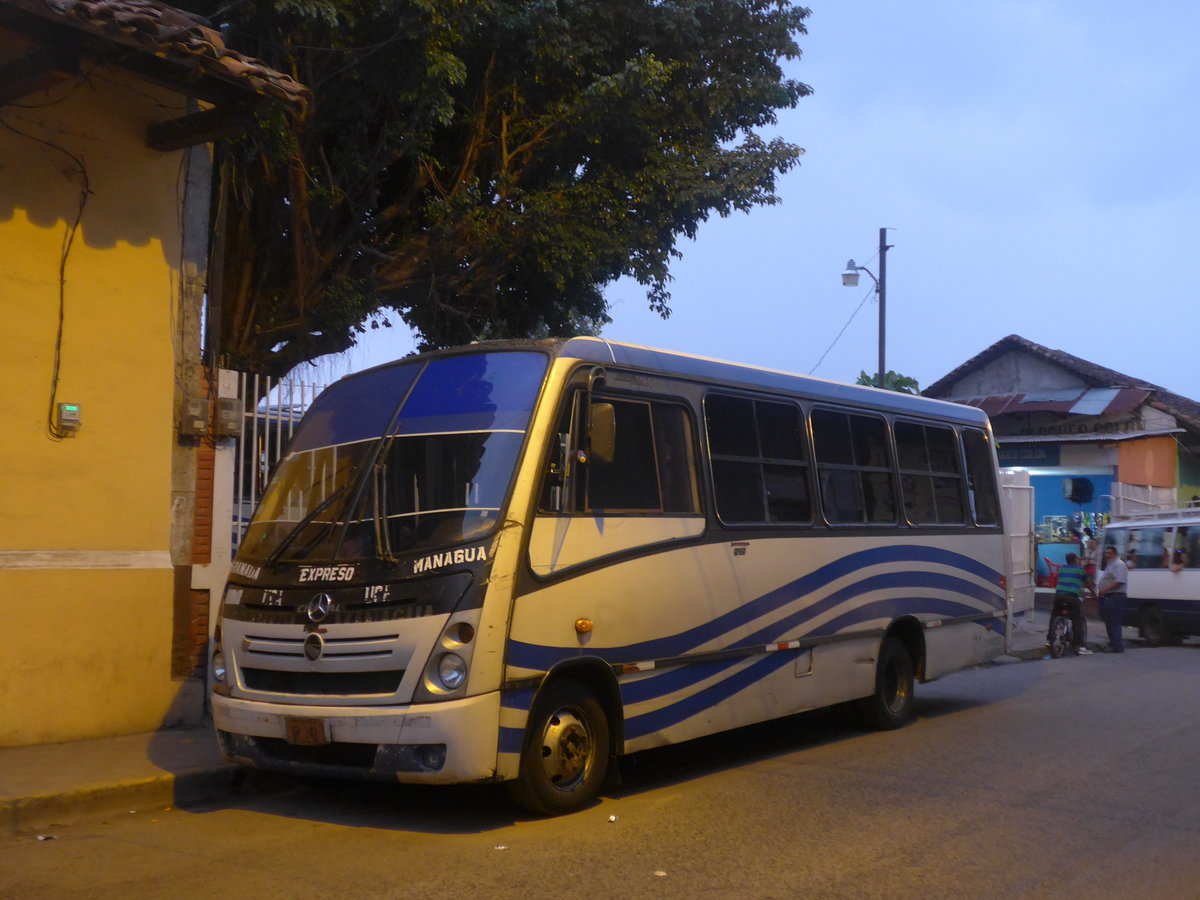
(605, 352)
(704, 369)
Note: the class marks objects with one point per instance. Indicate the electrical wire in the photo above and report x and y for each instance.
(85, 191)
(843, 331)
(874, 288)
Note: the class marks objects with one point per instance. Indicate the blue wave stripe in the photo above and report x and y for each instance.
(541, 657)
(786, 627)
(637, 726)
(672, 714)
(675, 679)
(892, 607)
(520, 699)
(511, 740)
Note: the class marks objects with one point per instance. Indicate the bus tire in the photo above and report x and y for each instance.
(566, 752)
(892, 703)
(1153, 627)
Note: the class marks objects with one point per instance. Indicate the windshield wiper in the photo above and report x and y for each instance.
(304, 523)
(383, 540)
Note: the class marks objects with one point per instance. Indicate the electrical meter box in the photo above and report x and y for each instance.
(194, 422)
(70, 417)
(228, 420)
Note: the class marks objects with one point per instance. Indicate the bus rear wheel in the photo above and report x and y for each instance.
(892, 703)
(566, 752)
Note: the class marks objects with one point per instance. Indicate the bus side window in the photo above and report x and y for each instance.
(759, 460)
(981, 477)
(630, 480)
(930, 480)
(855, 464)
(676, 456)
(652, 469)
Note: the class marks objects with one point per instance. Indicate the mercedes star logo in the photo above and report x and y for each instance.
(318, 608)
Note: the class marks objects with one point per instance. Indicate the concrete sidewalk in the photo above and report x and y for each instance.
(47, 785)
(52, 784)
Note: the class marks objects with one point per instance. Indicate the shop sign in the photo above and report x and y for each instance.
(1027, 455)
(1084, 425)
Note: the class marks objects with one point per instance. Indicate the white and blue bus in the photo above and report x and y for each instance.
(516, 561)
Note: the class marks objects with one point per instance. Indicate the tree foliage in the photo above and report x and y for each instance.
(892, 381)
(483, 168)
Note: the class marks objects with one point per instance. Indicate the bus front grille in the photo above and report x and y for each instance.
(323, 683)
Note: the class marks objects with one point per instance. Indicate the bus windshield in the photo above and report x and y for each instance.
(399, 459)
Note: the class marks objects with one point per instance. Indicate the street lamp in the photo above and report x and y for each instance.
(850, 279)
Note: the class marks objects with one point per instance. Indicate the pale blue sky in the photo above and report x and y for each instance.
(1037, 159)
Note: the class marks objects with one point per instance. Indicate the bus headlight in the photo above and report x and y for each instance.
(452, 671)
(448, 666)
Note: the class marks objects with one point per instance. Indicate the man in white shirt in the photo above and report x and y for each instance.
(1111, 591)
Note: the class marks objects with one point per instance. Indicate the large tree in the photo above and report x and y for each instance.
(485, 167)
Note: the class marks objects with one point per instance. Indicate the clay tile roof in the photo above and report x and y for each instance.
(168, 33)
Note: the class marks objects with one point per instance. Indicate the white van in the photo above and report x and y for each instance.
(1162, 550)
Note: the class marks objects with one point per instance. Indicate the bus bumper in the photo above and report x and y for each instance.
(429, 743)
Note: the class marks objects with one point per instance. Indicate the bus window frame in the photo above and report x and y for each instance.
(989, 444)
(806, 462)
(574, 411)
(891, 470)
(966, 516)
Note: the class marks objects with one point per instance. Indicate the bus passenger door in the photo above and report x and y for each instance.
(617, 538)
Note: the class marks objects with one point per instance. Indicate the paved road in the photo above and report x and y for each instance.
(1065, 778)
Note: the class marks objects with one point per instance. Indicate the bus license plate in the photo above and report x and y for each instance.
(307, 732)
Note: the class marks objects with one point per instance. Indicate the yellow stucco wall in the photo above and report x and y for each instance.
(94, 654)
(85, 570)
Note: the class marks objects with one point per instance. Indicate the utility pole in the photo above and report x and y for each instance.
(881, 289)
(850, 279)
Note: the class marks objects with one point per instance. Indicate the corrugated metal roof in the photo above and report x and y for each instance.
(1090, 401)
(1002, 439)
(1095, 401)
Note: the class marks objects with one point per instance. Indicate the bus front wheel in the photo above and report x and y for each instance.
(566, 751)
(891, 704)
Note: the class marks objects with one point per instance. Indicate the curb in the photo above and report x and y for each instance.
(129, 797)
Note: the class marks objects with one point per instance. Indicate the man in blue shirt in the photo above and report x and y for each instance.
(1071, 579)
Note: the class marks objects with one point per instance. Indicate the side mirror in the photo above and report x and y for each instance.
(602, 433)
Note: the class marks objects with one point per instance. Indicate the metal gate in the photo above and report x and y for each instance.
(273, 408)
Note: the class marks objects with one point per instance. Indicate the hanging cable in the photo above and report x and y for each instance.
(68, 240)
(843, 331)
(848, 321)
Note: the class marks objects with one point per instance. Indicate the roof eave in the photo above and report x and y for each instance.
(187, 57)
